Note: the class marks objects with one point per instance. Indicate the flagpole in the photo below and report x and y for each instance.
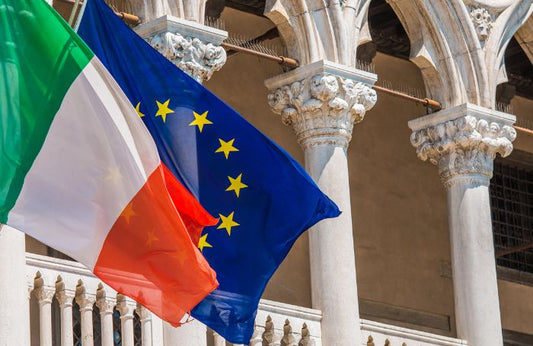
(80, 15)
(73, 12)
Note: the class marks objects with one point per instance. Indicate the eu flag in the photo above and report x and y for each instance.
(263, 197)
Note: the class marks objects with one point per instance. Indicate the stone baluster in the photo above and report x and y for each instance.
(288, 338)
(218, 340)
(45, 295)
(463, 142)
(65, 299)
(85, 302)
(306, 337)
(269, 335)
(322, 101)
(14, 302)
(146, 324)
(106, 305)
(126, 308)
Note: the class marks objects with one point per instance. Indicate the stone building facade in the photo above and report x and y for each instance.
(433, 253)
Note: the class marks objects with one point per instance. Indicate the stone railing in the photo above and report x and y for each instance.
(69, 305)
(380, 334)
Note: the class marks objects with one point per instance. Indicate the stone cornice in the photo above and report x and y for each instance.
(463, 141)
(322, 101)
(193, 47)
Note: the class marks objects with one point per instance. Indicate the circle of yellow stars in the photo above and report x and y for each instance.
(226, 147)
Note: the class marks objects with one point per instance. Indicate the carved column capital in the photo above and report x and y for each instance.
(83, 299)
(144, 313)
(463, 141)
(65, 297)
(125, 306)
(44, 294)
(322, 101)
(105, 304)
(194, 48)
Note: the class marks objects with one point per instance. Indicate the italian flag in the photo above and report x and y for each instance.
(79, 171)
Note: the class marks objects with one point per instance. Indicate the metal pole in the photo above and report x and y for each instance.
(73, 13)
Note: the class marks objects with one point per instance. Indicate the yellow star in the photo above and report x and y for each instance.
(203, 242)
(227, 222)
(151, 238)
(113, 174)
(138, 109)
(226, 147)
(163, 110)
(236, 185)
(128, 212)
(200, 120)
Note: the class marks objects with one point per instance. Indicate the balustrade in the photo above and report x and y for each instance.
(87, 308)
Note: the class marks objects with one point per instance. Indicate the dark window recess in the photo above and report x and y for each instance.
(511, 197)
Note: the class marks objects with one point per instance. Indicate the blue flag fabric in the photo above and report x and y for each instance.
(263, 197)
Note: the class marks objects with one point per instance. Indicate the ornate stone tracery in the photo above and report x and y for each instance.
(464, 146)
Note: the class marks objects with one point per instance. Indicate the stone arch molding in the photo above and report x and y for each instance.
(524, 36)
(316, 30)
(192, 10)
(459, 45)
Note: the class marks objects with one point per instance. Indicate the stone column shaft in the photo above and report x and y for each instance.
(463, 141)
(477, 311)
(15, 310)
(322, 101)
(105, 305)
(332, 256)
(86, 302)
(126, 307)
(44, 296)
(65, 299)
(146, 325)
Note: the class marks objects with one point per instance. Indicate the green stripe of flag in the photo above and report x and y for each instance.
(40, 57)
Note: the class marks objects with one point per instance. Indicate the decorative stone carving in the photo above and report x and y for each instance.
(482, 20)
(193, 47)
(44, 294)
(316, 30)
(464, 146)
(322, 107)
(288, 339)
(492, 5)
(126, 307)
(466, 65)
(306, 337)
(196, 58)
(65, 298)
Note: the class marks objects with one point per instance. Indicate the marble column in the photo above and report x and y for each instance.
(463, 142)
(146, 325)
(15, 311)
(44, 296)
(86, 302)
(65, 299)
(105, 305)
(126, 308)
(322, 101)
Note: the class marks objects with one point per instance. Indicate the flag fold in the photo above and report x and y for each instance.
(264, 199)
(80, 172)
